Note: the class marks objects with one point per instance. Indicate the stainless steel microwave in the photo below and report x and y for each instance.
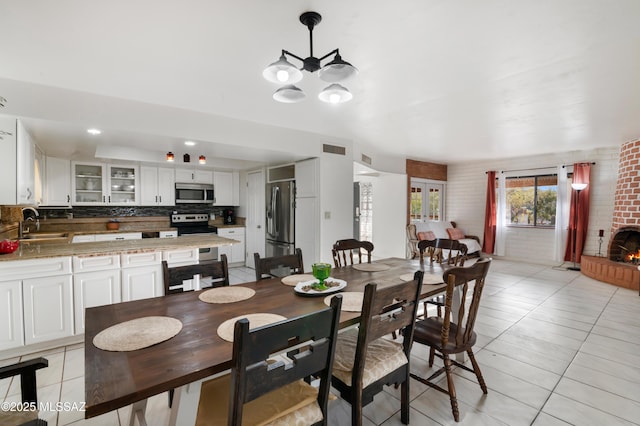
(201, 193)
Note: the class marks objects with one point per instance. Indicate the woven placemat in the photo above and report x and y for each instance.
(351, 301)
(137, 334)
(427, 279)
(225, 330)
(227, 294)
(371, 267)
(292, 280)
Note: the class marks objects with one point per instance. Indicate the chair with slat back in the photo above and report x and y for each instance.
(454, 333)
(344, 250)
(216, 270)
(263, 389)
(276, 266)
(365, 360)
(28, 389)
(441, 249)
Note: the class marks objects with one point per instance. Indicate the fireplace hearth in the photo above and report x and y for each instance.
(625, 245)
(619, 267)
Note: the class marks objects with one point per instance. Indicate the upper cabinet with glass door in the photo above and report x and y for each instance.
(88, 184)
(123, 185)
(100, 184)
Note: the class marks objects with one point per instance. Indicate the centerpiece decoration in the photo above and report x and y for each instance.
(321, 272)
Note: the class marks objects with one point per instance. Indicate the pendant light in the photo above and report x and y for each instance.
(285, 73)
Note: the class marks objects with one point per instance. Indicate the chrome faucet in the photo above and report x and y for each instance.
(21, 230)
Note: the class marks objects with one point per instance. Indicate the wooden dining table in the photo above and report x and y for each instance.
(116, 379)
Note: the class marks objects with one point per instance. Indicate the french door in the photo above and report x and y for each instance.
(427, 201)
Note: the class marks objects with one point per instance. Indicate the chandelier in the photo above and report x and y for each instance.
(285, 73)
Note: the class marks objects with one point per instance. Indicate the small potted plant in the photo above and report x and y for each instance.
(113, 225)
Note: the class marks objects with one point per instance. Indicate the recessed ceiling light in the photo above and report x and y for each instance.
(189, 143)
(94, 131)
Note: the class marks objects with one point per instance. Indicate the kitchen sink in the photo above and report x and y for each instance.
(45, 236)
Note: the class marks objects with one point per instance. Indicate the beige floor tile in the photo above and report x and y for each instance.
(599, 399)
(544, 419)
(527, 372)
(73, 364)
(576, 413)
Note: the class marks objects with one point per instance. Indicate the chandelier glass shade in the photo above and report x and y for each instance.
(285, 73)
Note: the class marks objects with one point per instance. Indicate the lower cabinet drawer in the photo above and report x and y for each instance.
(95, 263)
(132, 260)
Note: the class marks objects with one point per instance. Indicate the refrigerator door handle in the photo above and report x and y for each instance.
(270, 212)
(275, 200)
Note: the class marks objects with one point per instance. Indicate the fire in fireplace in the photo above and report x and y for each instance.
(625, 245)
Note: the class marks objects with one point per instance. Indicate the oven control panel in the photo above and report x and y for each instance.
(186, 218)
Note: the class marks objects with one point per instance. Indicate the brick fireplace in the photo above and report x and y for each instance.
(618, 267)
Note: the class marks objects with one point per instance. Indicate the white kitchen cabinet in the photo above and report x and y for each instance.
(57, 182)
(142, 282)
(12, 330)
(48, 308)
(181, 257)
(99, 286)
(26, 192)
(141, 275)
(157, 186)
(236, 252)
(307, 178)
(226, 188)
(39, 175)
(89, 184)
(194, 176)
(17, 185)
(101, 184)
(118, 236)
(83, 238)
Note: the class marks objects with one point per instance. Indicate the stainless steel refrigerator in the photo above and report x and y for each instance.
(280, 218)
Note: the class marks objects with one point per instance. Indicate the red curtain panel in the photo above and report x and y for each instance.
(578, 213)
(490, 215)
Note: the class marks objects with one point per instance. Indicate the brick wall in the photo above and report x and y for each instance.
(627, 196)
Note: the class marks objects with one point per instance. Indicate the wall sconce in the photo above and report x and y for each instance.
(186, 158)
(170, 156)
(202, 159)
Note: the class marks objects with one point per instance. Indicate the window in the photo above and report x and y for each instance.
(366, 211)
(426, 201)
(531, 200)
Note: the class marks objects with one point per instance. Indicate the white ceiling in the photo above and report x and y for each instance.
(440, 80)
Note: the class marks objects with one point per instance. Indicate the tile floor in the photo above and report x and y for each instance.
(554, 346)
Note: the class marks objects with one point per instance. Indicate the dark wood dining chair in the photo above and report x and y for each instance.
(28, 388)
(347, 252)
(365, 360)
(454, 334)
(278, 266)
(441, 249)
(173, 277)
(266, 389)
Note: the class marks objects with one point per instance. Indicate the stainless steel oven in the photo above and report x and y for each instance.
(196, 224)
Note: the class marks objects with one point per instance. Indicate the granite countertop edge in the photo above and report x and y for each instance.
(41, 250)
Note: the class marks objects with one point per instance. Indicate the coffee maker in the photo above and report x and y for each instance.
(229, 216)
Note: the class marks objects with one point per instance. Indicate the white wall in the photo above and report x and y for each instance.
(389, 204)
(336, 200)
(466, 199)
